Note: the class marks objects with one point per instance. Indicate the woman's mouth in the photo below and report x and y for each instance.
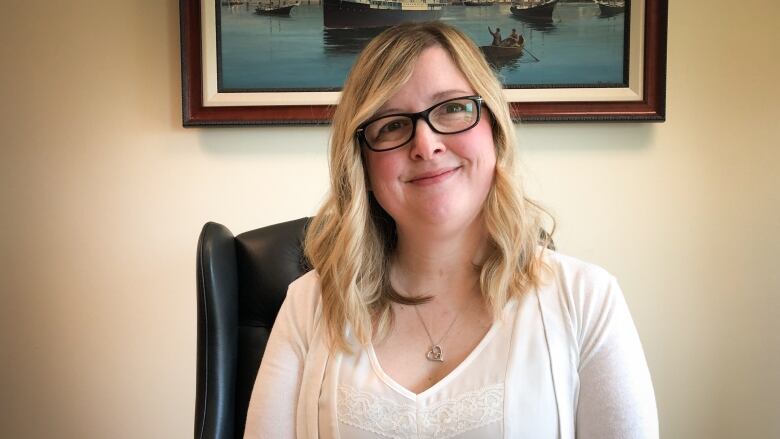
(435, 176)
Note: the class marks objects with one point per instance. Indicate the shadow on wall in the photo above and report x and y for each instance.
(602, 136)
(264, 141)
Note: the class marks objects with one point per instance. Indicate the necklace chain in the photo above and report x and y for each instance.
(435, 353)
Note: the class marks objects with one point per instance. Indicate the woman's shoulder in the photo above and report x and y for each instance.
(309, 281)
(301, 309)
(572, 270)
(581, 288)
(304, 293)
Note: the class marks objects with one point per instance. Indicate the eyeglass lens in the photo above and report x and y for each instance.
(448, 117)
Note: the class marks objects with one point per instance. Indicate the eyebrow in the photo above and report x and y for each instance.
(435, 98)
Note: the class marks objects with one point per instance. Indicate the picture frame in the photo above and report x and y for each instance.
(643, 99)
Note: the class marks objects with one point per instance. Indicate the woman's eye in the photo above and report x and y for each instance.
(392, 126)
(455, 107)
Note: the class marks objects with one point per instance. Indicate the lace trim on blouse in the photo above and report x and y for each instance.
(445, 419)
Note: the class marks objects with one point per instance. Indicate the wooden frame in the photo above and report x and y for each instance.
(643, 100)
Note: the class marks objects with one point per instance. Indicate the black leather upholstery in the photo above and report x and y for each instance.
(242, 282)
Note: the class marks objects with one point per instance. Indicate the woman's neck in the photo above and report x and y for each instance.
(434, 265)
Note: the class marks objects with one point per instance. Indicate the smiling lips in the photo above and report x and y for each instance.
(433, 177)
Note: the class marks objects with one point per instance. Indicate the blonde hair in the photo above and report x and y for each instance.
(350, 240)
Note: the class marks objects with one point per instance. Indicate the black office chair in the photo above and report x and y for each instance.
(242, 282)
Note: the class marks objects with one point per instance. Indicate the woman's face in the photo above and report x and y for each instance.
(439, 180)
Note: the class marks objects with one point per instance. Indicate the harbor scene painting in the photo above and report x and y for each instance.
(310, 45)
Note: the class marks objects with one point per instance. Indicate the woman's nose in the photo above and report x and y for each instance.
(426, 143)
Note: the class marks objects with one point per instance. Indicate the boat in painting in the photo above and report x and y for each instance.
(279, 8)
(497, 52)
(355, 14)
(610, 8)
(479, 2)
(502, 56)
(533, 9)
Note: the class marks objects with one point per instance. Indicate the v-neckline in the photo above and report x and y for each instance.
(395, 385)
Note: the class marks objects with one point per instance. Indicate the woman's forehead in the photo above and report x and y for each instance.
(434, 78)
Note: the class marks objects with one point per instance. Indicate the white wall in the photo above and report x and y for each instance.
(103, 196)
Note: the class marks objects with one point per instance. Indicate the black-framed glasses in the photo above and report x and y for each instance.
(393, 131)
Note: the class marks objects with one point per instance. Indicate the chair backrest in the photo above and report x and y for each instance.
(241, 282)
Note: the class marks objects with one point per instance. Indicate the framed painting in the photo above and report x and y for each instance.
(257, 62)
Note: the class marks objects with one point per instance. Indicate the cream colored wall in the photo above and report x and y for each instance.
(104, 193)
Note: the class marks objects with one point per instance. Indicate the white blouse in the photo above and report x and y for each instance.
(466, 404)
(566, 362)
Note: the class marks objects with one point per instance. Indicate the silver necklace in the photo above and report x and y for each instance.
(435, 353)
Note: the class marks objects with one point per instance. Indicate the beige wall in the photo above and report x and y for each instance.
(104, 193)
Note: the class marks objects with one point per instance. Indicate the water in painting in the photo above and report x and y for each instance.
(580, 44)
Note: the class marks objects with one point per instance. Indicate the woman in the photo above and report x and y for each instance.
(434, 309)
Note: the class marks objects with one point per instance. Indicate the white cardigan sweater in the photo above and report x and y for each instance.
(574, 330)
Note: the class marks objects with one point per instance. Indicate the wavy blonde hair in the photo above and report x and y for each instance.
(350, 240)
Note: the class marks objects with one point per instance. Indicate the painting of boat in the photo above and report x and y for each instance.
(610, 8)
(497, 52)
(479, 2)
(356, 14)
(261, 52)
(502, 56)
(540, 10)
(280, 8)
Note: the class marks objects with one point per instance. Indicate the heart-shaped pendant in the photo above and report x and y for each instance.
(435, 354)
